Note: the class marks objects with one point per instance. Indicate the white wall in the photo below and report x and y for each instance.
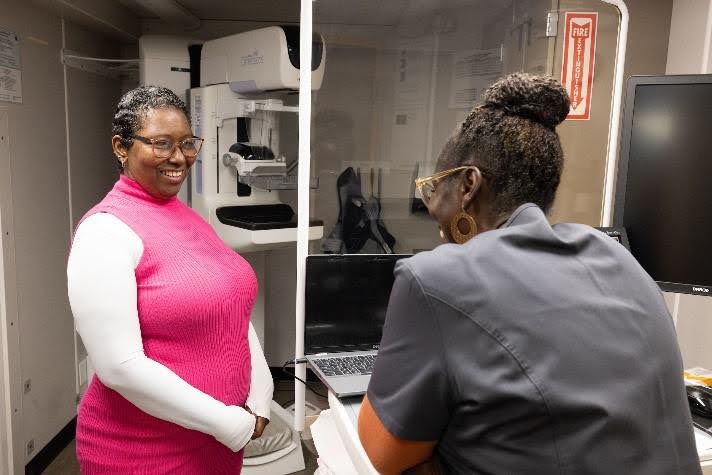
(40, 230)
(648, 36)
(689, 45)
(91, 100)
(37, 221)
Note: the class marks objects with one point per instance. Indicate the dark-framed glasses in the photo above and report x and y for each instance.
(426, 185)
(164, 148)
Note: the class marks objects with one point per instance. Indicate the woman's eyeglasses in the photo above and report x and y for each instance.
(426, 186)
(164, 148)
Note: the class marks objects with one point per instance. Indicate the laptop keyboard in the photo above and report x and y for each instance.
(345, 365)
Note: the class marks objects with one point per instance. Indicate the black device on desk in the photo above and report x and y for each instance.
(700, 400)
(346, 301)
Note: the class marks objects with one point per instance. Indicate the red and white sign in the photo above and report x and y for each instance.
(578, 62)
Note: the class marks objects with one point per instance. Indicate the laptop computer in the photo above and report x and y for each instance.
(346, 299)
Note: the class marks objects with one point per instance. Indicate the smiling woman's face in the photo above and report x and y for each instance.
(161, 177)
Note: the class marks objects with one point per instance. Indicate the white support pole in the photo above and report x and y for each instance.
(12, 456)
(77, 378)
(7, 434)
(305, 61)
(616, 112)
(675, 308)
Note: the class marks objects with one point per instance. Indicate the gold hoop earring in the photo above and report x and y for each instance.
(123, 163)
(457, 235)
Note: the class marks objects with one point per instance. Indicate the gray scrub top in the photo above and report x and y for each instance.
(534, 349)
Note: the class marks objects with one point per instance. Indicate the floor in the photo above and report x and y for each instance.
(66, 462)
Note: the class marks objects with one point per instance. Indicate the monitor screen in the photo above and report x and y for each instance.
(346, 298)
(664, 194)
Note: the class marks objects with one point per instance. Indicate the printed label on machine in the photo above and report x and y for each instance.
(578, 62)
(198, 125)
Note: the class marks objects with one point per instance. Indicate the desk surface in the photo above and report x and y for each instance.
(352, 405)
(346, 410)
(345, 413)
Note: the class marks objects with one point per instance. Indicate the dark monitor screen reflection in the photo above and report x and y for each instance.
(667, 210)
(346, 299)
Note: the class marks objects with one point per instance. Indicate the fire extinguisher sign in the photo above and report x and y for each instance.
(578, 62)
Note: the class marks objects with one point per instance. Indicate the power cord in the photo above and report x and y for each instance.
(309, 386)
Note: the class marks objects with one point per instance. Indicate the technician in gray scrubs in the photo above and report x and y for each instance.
(521, 347)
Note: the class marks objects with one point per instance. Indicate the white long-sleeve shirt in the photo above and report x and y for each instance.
(103, 296)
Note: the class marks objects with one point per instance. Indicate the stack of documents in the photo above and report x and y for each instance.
(704, 444)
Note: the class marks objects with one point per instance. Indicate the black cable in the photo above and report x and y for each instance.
(309, 387)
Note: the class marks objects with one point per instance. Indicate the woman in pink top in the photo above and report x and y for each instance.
(163, 308)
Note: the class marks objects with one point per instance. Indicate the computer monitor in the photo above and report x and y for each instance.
(346, 298)
(664, 182)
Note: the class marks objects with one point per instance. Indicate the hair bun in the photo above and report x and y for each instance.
(539, 98)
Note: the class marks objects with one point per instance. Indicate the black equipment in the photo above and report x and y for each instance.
(346, 298)
(359, 219)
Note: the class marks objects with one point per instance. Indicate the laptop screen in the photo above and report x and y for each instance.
(346, 301)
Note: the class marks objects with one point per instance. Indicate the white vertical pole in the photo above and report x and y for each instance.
(305, 61)
(9, 324)
(69, 188)
(708, 39)
(675, 308)
(7, 434)
(613, 132)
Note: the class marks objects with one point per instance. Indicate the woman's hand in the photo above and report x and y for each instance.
(260, 424)
(238, 432)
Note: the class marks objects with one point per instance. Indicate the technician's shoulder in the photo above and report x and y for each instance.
(452, 270)
(425, 262)
(588, 240)
(440, 269)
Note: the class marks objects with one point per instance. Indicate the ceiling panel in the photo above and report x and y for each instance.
(254, 10)
(135, 7)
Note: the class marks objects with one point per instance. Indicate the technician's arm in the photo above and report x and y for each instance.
(261, 385)
(388, 453)
(102, 294)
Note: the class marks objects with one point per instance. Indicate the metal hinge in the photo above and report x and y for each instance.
(552, 24)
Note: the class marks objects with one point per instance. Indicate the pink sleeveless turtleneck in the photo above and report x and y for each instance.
(195, 296)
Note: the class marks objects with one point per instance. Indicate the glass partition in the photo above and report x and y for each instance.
(580, 195)
(400, 76)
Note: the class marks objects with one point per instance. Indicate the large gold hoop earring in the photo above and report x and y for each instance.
(457, 235)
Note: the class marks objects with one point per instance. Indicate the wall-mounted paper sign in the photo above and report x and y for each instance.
(473, 71)
(578, 62)
(10, 74)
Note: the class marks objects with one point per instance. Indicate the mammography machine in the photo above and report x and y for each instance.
(237, 105)
(237, 111)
